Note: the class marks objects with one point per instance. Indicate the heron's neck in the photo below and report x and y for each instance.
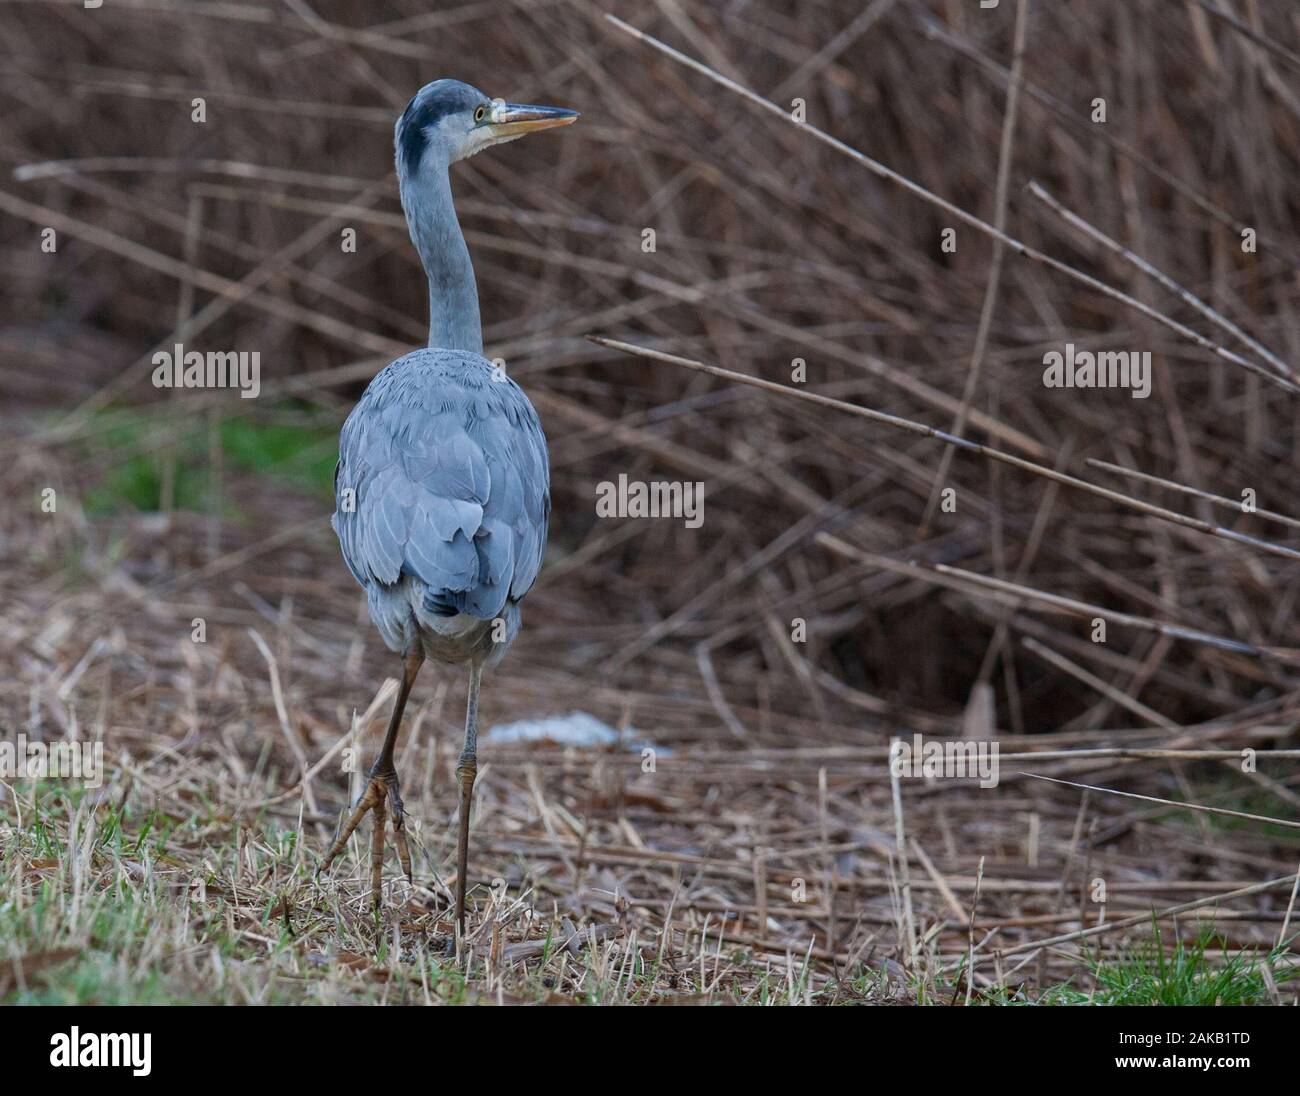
(453, 296)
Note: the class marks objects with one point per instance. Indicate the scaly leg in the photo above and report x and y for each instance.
(382, 794)
(466, 771)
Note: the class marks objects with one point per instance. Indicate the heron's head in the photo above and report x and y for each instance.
(449, 121)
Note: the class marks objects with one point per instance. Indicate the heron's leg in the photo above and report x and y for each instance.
(466, 770)
(382, 792)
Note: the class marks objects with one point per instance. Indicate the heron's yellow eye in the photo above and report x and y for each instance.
(479, 114)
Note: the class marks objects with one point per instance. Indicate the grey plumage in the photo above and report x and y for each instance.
(443, 459)
(442, 492)
(445, 466)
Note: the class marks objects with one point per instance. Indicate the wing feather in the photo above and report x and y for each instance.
(449, 474)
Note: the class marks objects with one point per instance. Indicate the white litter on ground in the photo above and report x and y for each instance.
(574, 729)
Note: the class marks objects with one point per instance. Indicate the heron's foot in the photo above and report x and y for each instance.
(383, 796)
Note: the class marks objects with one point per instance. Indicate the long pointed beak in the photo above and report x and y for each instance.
(516, 119)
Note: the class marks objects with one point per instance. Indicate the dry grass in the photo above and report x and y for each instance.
(760, 860)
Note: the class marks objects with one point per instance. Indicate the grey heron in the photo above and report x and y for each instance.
(442, 490)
